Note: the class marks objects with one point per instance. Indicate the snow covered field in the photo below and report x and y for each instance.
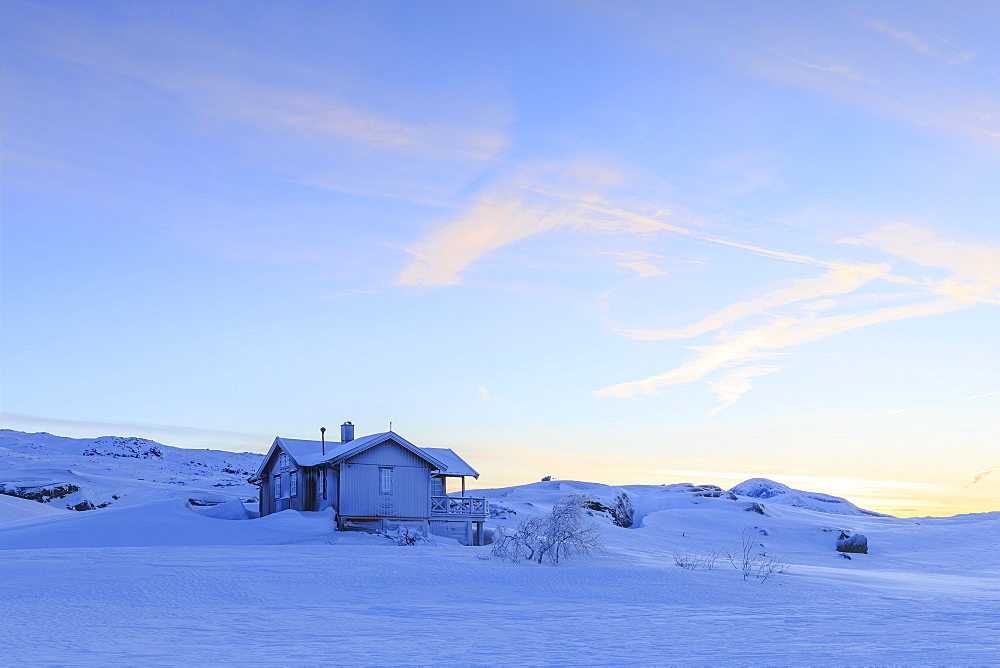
(165, 582)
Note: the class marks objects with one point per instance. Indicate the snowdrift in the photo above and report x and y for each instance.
(174, 522)
(13, 509)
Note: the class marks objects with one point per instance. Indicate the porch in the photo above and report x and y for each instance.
(459, 508)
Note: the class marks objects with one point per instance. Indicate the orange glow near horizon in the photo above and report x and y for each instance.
(894, 497)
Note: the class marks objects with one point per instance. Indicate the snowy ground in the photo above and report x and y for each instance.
(304, 594)
(388, 605)
(168, 583)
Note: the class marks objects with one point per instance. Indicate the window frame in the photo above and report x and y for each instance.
(385, 481)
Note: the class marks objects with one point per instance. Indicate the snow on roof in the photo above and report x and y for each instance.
(310, 453)
(456, 465)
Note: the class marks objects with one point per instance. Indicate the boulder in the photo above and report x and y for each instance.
(856, 543)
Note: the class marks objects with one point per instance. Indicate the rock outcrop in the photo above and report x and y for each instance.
(857, 543)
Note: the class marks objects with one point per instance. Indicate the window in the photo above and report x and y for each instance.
(322, 482)
(277, 486)
(385, 480)
(293, 484)
(283, 461)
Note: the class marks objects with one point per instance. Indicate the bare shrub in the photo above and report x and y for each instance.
(550, 537)
(686, 560)
(405, 535)
(693, 562)
(752, 561)
(769, 566)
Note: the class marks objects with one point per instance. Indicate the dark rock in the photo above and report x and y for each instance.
(43, 494)
(856, 543)
(720, 494)
(755, 507)
(594, 504)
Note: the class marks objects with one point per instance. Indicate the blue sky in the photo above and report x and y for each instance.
(626, 242)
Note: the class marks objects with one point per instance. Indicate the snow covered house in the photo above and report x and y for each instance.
(378, 482)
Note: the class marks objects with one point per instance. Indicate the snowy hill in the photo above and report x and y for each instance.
(210, 585)
(83, 474)
(775, 492)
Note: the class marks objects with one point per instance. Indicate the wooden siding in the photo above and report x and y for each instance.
(359, 490)
(361, 495)
(388, 454)
(333, 491)
(319, 502)
(268, 503)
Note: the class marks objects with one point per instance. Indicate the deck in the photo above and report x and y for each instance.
(459, 508)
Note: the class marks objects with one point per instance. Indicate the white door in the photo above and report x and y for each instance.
(385, 489)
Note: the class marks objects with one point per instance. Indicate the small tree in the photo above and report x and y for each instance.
(550, 537)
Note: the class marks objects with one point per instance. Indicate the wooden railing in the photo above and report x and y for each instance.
(459, 506)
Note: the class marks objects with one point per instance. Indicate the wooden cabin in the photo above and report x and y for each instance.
(380, 482)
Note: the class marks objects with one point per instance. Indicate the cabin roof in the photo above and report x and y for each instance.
(456, 465)
(310, 453)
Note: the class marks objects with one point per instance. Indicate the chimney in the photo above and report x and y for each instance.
(346, 432)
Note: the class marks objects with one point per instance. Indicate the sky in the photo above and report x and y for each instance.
(624, 242)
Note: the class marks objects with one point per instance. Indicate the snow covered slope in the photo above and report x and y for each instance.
(82, 474)
(775, 492)
(13, 508)
(198, 585)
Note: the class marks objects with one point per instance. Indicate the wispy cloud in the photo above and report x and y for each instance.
(757, 343)
(975, 279)
(327, 129)
(842, 279)
(919, 44)
(836, 69)
(222, 79)
(327, 117)
(979, 475)
(980, 396)
(485, 394)
(925, 96)
(903, 36)
(533, 201)
(735, 384)
(976, 267)
(638, 261)
(575, 196)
